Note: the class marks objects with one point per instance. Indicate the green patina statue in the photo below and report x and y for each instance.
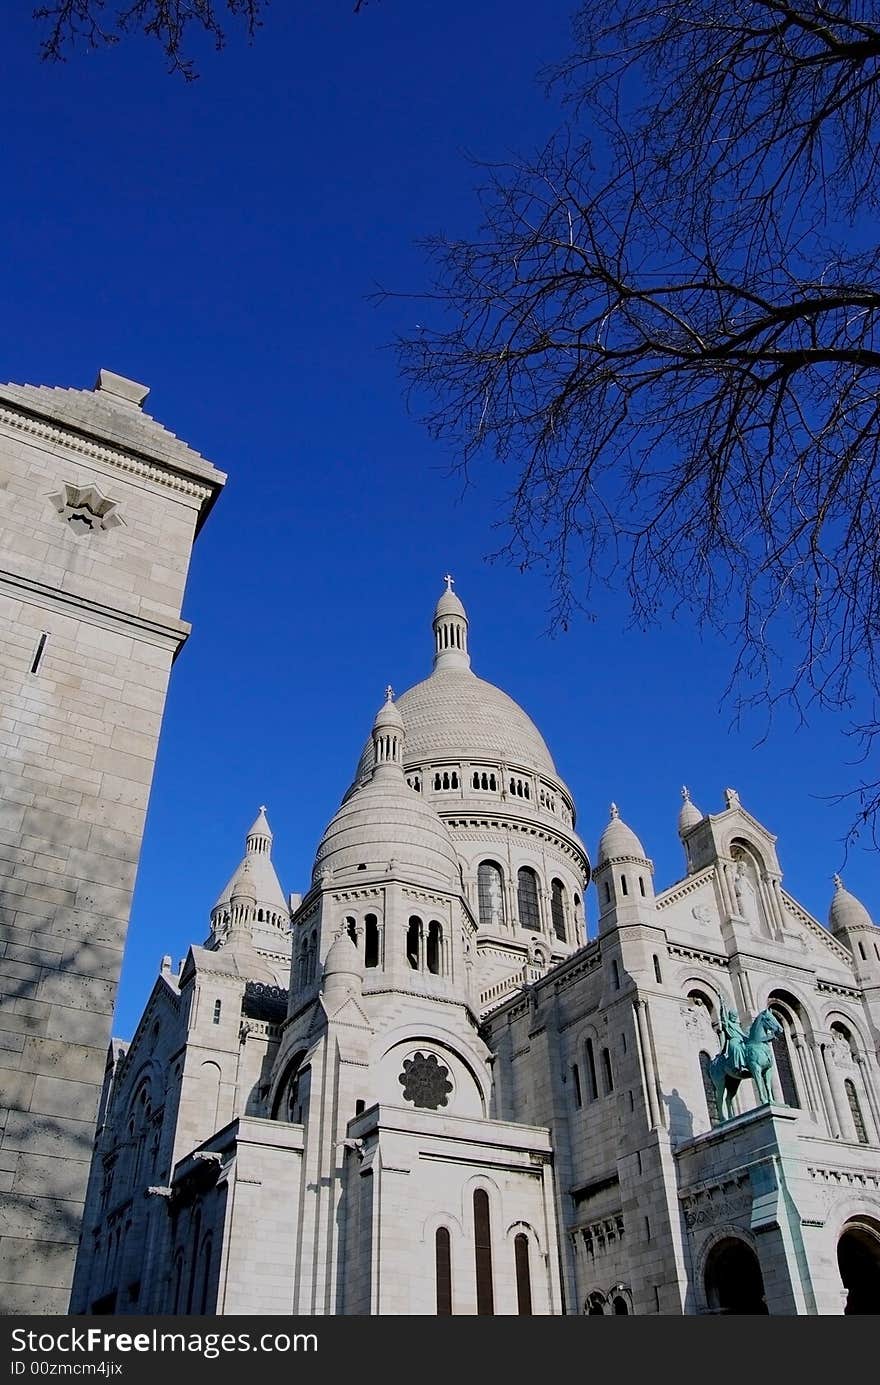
(743, 1055)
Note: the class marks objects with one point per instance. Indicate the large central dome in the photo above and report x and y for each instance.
(455, 715)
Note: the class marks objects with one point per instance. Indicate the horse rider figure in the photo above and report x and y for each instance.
(734, 1045)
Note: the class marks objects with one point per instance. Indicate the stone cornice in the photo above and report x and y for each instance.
(151, 630)
(494, 822)
(684, 887)
(697, 954)
(164, 473)
(815, 927)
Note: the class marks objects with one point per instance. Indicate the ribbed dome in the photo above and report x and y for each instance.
(449, 605)
(846, 911)
(453, 714)
(388, 716)
(385, 821)
(618, 840)
(689, 815)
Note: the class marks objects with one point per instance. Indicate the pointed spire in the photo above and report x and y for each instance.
(259, 839)
(689, 814)
(450, 630)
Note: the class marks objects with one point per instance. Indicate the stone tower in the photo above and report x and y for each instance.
(99, 505)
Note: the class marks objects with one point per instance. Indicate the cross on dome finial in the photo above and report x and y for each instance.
(615, 811)
(838, 882)
(262, 807)
(389, 693)
(449, 579)
(685, 793)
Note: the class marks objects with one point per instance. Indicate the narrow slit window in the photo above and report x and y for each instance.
(575, 1072)
(217, 1008)
(483, 1254)
(523, 1277)
(443, 1263)
(38, 653)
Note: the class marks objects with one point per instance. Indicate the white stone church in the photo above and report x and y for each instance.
(419, 1088)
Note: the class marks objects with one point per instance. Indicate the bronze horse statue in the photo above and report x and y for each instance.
(751, 1057)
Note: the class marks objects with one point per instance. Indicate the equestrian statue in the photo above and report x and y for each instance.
(744, 1055)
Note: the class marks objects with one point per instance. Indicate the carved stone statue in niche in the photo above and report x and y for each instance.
(746, 893)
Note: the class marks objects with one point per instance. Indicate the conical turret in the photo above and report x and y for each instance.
(254, 881)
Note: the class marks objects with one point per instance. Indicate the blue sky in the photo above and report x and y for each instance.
(219, 241)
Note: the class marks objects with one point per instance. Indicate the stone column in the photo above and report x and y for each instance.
(824, 1074)
(870, 1094)
(645, 1063)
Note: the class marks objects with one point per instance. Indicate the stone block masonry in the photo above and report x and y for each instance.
(99, 506)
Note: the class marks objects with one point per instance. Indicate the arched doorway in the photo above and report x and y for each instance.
(733, 1279)
(858, 1259)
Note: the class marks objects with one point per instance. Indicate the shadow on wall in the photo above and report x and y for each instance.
(681, 1120)
(52, 980)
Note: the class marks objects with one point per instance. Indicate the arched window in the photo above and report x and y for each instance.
(557, 908)
(483, 1254)
(371, 941)
(855, 1108)
(658, 975)
(591, 1071)
(858, 1260)
(351, 929)
(607, 1072)
(709, 1089)
(527, 898)
(490, 890)
(523, 1277)
(434, 950)
(178, 1282)
(620, 1306)
(576, 1077)
(206, 1274)
(733, 1279)
(413, 942)
(443, 1270)
(783, 1056)
(194, 1263)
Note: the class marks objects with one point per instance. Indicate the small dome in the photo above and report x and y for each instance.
(846, 911)
(343, 959)
(618, 840)
(689, 815)
(388, 716)
(384, 822)
(449, 605)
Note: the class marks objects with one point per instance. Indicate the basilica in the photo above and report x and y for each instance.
(419, 1088)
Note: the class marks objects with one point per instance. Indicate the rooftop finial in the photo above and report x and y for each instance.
(685, 793)
(837, 882)
(389, 693)
(615, 811)
(450, 627)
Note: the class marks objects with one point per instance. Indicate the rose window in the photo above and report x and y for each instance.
(425, 1081)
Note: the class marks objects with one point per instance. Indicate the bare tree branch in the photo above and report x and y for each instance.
(670, 333)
